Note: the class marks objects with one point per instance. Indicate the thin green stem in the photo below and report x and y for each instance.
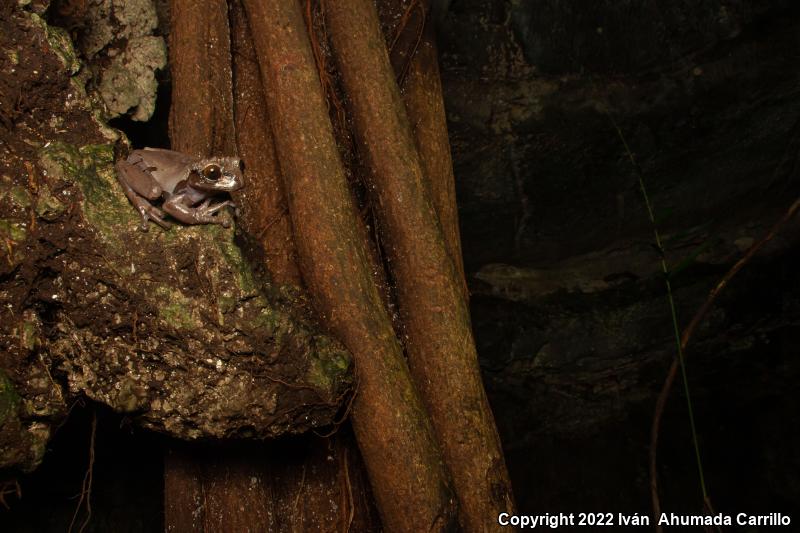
(673, 311)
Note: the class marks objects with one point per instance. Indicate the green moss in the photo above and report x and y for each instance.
(48, 207)
(99, 153)
(245, 280)
(13, 56)
(12, 234)
(226, 303)
(12, 230)
(269, 318)
(9, 399)
(18, 195)
(175, 309)
(330, 366)
(60, 42)
(91, 168)
(30, 334)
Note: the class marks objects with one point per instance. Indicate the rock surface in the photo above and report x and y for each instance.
(119, 41)
(173, 328)
(569, 303)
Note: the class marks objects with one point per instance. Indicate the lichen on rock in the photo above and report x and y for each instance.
(129, 83)
(122, 51)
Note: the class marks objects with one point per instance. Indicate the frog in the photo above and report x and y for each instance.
(186, 184)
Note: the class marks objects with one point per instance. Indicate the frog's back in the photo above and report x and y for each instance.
(167, 167)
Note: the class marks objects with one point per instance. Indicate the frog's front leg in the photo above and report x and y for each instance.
(140, 188)
(205, 213)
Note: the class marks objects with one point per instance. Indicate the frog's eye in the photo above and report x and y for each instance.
(212, 172)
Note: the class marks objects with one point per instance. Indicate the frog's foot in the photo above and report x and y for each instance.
(149, 212)
(208, 213)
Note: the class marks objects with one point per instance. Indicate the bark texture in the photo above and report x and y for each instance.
(411, 42)
(390, 422)
(302, 491)
(265, 215)
(218, 490)
(432, 303)
(422, 94)
(322, 483)
(201, 114)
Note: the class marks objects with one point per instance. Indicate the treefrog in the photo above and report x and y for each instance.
(186, 184)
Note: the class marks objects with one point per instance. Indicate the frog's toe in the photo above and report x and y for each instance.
(148, 213)
(216, 207)
(161, 222)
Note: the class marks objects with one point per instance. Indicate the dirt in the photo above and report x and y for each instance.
(35, 96)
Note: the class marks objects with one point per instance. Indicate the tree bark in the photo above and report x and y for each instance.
(411, 39)
(299, 484)
(422, 94)
(392, 428)
(264, 213)
(216, 491)
(325, 488)
(201, 112)
(433, 306)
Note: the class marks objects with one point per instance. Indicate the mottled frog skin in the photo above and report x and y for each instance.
(187, 185)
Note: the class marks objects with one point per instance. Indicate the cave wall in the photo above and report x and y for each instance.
(568, 298)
